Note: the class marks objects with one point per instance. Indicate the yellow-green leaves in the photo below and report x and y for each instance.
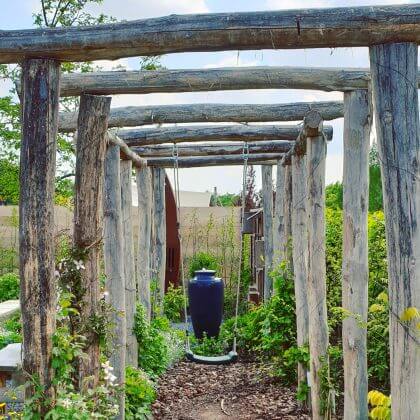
(410, 314)
(381, 405)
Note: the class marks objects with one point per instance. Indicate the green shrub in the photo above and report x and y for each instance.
(139, 393)
(9, 287)
(209, 346)
(202, 260)
(159, 345)
(173, 303)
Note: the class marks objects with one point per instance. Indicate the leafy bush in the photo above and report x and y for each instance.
(159, 345)
(139, 393)
(202, 260)
(9, 287)
(173, 303)
(209, 346)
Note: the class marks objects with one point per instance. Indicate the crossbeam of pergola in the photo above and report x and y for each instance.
(207, 149)
(286, 29)
(188, 134)
(133, 116)
(215, 79)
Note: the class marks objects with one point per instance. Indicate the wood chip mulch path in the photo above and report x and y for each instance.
(191, 391)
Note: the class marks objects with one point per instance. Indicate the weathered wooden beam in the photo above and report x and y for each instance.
(267, 203)
(88, 222)
(40, 96)
(357, 124)
(114, 264)
(145, 198)
(215, 79)
(125, 152)
(208, 149)
(134, 116)
(306, 28)
(159, 230)
(317, 301)
(299, 232)
(218, 160)
(126, 170)
(395, 98)
(188, 134)
(279, 239)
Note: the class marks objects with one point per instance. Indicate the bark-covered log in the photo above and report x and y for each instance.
(159, 229)
(209, 149)
(126, 169)
(267, 201)
(36, 220)
(317, 301)
(357, 123)
(145, 200)
(305, 28)
(188, 134)
(114, 264)
(300, 253)
(88, 220)
(395, 98)
(218, 160)
(134, 116)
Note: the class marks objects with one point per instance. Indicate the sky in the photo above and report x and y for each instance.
(17, 14)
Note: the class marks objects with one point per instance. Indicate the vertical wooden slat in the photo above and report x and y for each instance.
(88, 219)
(357, 121)
(317, 303)
(288, 215)
(300, 252)
(395, 98)
(145, 196)
(159, 226)
(126, 169)
(267, 200)
(114, 260)
(40, 96)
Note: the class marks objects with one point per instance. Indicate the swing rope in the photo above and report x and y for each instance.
(232, 354)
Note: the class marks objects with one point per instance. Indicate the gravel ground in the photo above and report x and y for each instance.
(191, 391)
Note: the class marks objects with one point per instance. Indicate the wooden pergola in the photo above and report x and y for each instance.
(104, 162)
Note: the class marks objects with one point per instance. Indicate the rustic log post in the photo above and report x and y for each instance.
(126, 169)
(159, 225)
(88, 221)
(279, 239)
(395, 98)
(114, 260)
(357, 121)
(40, 95)
(300, 253)
(267, 199)
(145, 198)
(317, 302)
(287, 215)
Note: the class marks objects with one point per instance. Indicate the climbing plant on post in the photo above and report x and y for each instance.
(88, 223)
(395, 98)
(40, 96)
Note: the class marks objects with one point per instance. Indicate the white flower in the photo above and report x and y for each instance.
(66, 403)
(79, 265)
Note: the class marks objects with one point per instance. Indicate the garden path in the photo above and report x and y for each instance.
(190, 391)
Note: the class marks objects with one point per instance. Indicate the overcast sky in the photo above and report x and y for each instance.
(17, 14)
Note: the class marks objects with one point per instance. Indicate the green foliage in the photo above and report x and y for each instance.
(202, 260)
(375, 181)
(334, 196)
(9, 181)
(9, 287)
(209, 346)
(11, 331)
(174, 303)
(159, 345)
(139, 394)
(225, 200)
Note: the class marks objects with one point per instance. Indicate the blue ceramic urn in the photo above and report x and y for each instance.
(205, 294)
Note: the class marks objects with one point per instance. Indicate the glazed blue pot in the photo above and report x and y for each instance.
(205, 292)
